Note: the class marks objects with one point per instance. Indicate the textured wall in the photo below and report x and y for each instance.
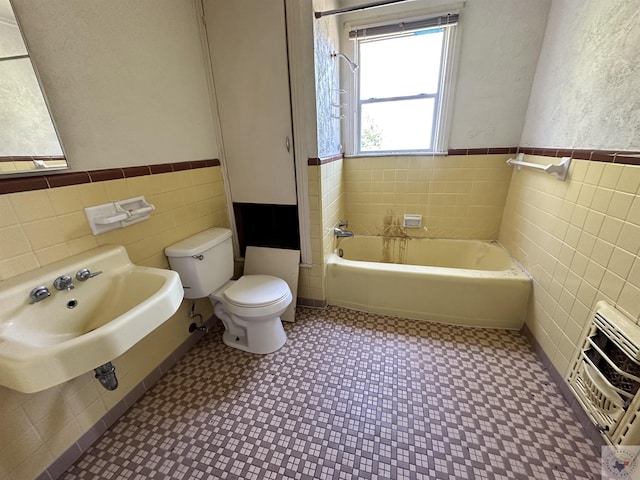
(125, 80)
(585, 93)
(327, 39)
(500, 44)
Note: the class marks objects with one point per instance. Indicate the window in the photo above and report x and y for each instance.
(402, 85)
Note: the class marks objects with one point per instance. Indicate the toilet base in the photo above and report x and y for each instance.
(272, 345)
(259, 336)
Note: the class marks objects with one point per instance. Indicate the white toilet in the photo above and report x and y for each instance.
(249, 307)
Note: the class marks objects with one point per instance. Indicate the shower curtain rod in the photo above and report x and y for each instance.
(365, 6)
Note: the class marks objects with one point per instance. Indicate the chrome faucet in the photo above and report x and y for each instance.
(341, 233)
(63, 282)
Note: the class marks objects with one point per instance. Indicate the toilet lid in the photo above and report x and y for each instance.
(256, 291)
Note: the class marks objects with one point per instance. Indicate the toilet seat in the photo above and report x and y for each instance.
(255, 296)
(256, 291)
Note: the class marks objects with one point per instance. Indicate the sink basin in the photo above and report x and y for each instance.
(74, 331)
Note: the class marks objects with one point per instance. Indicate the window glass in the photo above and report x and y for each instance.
(398, 66)
(401, 125)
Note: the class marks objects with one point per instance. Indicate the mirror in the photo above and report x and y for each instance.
(28, 139)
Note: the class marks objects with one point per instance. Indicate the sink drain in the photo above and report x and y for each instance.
(72, 303)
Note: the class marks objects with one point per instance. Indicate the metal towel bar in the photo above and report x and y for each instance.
(560, 170)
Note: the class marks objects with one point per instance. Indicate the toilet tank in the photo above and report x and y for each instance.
(203, 261)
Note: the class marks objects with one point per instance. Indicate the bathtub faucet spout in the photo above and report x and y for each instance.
(341, 233)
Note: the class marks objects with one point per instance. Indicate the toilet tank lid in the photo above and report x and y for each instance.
(198, 243)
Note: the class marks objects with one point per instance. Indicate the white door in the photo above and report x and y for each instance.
(248, 47)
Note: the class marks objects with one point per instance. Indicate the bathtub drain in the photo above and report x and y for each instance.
(340, 252)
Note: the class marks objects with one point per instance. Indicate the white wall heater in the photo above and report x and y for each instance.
(605, 375)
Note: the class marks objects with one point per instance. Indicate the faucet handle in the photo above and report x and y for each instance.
(343, 223)
(38, 294)
(84, 274)
(63, 282)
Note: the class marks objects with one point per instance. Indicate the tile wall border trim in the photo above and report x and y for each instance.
(80, 446)
(590, 429)
(41, 182)
(317, 161)
(623, 157)
(482, 151)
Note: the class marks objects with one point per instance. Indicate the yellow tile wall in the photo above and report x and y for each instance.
(304, 280)
(333, 203)
(457, 196)
(579, 240)
(326, 206)
(43, 226)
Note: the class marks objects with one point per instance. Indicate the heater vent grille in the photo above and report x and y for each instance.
(606, 374)
(614, 332)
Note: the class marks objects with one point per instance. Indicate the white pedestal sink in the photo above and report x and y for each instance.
(75, 330)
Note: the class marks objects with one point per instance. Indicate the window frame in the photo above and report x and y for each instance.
(443, 99)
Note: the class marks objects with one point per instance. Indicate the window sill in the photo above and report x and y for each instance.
(396, 154)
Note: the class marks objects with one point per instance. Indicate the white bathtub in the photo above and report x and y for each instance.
(465, 282)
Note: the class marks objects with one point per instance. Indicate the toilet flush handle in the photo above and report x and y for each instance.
(198, 257)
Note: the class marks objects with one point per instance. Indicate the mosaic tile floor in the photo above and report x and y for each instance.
(351, 395)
